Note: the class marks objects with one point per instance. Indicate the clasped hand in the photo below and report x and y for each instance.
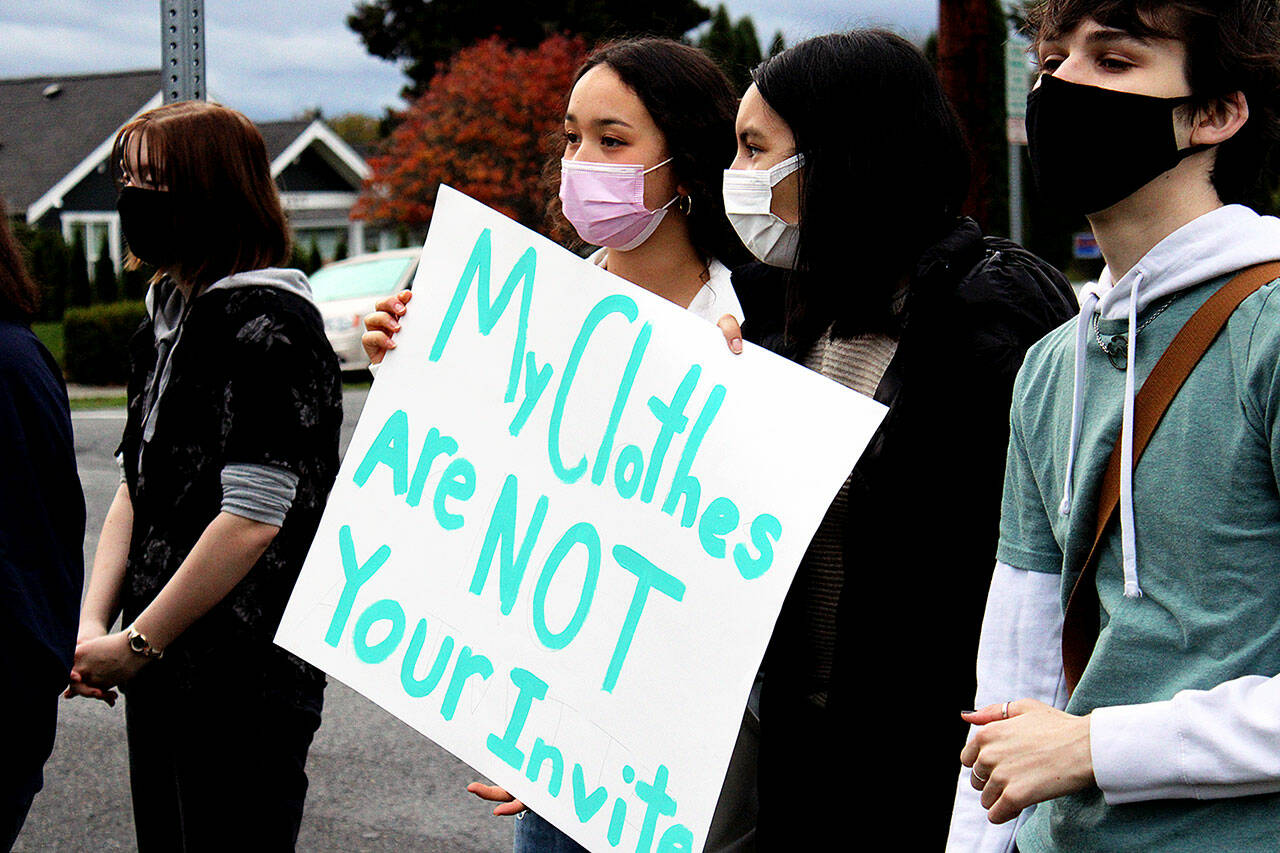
(1036, 754)
(101, 664)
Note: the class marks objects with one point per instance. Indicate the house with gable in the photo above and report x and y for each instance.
(56, 133)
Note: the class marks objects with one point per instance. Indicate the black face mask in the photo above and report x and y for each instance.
(147, 218)
(1093, 147)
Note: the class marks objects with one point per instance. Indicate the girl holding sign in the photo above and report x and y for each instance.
(648, 127)
(229, 450)
(850, 174)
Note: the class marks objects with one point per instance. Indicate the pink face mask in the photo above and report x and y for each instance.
(605, 203)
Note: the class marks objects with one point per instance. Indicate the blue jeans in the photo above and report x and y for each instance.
(535, 835)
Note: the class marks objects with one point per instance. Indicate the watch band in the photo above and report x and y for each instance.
(139, 644)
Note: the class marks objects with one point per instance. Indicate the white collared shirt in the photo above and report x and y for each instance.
(716, 298)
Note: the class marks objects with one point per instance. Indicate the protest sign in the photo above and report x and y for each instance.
(564, 528)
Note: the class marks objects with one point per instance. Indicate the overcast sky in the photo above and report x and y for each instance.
(273, 59)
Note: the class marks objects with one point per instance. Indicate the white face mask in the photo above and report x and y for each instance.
(748, 195)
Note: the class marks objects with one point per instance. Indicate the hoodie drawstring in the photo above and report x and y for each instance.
(1077, 394)
(1128, 544)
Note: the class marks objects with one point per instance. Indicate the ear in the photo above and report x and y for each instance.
(1220, 120)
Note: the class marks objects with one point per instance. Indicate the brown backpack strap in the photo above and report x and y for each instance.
(1080, 623)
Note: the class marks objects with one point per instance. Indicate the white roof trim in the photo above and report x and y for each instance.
(320, 132)
(53, 197)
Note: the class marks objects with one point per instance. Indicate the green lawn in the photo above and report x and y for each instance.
(50, 334)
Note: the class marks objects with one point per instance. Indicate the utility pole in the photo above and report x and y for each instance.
(971, 64)
(182, 37)
(1017, 76)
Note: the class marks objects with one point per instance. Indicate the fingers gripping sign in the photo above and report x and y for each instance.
(1025, 753)
(382, 324)
(732, 333)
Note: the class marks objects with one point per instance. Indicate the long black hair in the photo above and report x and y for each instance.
(692, 103)
(886, 171)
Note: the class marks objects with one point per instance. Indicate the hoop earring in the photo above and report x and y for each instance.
(685, 204)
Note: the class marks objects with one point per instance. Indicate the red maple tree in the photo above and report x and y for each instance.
(482, 127)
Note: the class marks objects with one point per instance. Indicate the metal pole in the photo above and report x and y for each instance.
(182, 36)
(1017, 79)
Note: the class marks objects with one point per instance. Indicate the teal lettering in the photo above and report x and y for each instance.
(435, 445)
(613, 304)
(626, 476)
(672, 417)
(616, 820)
(685, 484)
(720, 517)
(648, 576)
(390, 448)
(586, 806)
(464, 667)
(583, 534)
(763, 529)
(478, 268)
(620, 403)
(458, 483)
(502, 528)
(657, 802)
(384, 610)
(531, 687)
(677, 839)
(535, 382)
(356, 576)
(412, 685)
(541, 753)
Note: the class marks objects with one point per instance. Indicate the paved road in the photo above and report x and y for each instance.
(376, 785)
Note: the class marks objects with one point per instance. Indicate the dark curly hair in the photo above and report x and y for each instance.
(691, 102)
(1232, 46)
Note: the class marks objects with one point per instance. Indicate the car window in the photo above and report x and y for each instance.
(368, 278)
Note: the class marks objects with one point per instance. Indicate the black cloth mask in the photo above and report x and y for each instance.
(150, 227)
(1094, 147)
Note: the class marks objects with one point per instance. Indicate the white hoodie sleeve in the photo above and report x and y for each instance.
(1019, 656)
(1203, 744)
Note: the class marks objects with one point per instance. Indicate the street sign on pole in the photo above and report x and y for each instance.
(182, 36)
(1017, 84)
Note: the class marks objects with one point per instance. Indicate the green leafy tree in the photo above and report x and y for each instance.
(79, 291)
(315, 260)
(340, 252)
(734, 46)
(778, 45)
(49, 261)
(425, 33)
(106, 287)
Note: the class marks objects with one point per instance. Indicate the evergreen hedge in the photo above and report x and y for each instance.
(97, 342)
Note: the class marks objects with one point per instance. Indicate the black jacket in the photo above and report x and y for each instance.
(253, 381)
(924, 510)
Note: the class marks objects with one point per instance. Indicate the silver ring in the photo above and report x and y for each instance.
(1004, 715)
(978, 777)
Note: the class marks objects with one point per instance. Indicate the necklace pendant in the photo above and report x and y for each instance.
(1117, 350)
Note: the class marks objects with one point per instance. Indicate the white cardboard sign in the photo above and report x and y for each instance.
(564, 528)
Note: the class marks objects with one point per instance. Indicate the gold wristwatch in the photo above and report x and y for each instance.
(139, 644)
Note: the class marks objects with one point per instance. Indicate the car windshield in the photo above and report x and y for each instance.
(349, 281)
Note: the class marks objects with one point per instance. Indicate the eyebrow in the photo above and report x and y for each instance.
(1110, 36)
(600, 122)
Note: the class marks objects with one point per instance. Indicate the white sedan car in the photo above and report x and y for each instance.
(347, 290)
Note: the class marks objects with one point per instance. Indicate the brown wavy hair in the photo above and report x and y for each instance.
(215, 163)
(19, 296)
(1232, 46)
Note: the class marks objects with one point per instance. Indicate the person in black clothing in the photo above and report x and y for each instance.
(41, 536)
(229, 451)
(850, 174)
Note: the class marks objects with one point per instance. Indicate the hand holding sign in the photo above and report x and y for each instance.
(564, 528)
